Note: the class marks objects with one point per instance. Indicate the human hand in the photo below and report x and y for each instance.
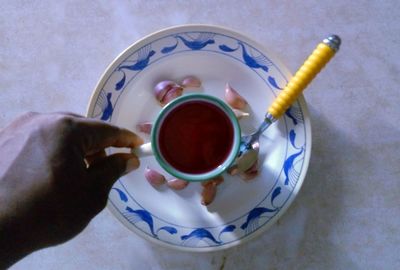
(55, 177)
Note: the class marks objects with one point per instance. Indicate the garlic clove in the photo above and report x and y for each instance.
(234, 99)
(162, 88)
(240, 114)
(144, 127)
(191, 82)
(216, 181)
(251, 173)
(208, 194)
(172, 93)
(248, 176)
(155, 178)
(233, 170)
(177, 184)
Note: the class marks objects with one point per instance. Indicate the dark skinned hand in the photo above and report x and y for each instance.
(55, 177)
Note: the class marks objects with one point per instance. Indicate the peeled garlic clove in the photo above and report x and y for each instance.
(155, 178)
(173, 93)
(191, 81)
(234, 99)
(240, 114)
(162, 88)
(208, 194)
(144, 127)
(177, 184)
(216, 181)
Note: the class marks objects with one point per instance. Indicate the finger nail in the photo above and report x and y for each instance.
(132, 164)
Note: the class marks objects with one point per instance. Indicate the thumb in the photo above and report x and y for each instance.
(107, 170)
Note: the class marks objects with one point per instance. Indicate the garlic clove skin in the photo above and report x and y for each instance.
(208, 194)
(173, 93)
(191, 82)
(145, 127)
(155, 178)
(162, 88)
(240, 114)
(177, 184)
(234, 99)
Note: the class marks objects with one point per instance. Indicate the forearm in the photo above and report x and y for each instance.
(11, 250)
(8, 256)
(14, 244)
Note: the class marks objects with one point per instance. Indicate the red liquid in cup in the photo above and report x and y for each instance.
(196, 137)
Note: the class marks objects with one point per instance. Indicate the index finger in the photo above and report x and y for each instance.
(96, 135)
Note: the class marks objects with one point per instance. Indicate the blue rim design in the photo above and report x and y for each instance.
(277, 197)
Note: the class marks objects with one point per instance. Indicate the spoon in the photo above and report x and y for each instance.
(250, 144)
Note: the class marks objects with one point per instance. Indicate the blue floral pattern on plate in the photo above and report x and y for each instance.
(260, 215)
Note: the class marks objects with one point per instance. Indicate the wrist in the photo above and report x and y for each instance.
(13, 243)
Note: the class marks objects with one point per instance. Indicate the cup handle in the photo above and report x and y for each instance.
(143, 151)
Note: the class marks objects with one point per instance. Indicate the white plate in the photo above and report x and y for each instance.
(241, 210)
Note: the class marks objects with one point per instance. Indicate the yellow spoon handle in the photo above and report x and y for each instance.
(311, 67)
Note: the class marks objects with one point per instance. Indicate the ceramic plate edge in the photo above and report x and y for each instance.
(307, 122)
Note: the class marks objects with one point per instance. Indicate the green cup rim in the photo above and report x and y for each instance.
(207, 175)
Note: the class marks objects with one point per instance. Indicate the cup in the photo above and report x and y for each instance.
(195, 137)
